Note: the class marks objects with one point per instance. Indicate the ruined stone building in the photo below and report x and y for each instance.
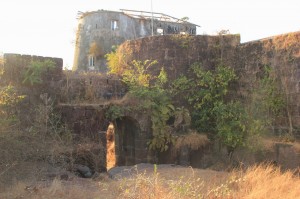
(99, 31)
(83, 101)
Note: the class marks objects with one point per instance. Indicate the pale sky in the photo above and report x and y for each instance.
(47, 27)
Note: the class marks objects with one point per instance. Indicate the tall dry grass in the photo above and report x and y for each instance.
(192, 140)
(266, 181)
(263, 181)
(258, 182)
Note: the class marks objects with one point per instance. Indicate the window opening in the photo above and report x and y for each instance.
(160, 31)
(114, 25)
(91, 61)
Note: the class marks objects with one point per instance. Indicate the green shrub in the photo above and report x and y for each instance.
(223, 119)
(152, 97)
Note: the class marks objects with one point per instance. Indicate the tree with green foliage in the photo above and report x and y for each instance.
(224, 118)
(266, 101)
(152, 96)
(204, 92)
(269, 90)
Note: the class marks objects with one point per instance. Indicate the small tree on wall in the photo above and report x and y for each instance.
(223, 32)
(286, 61)
(96, 50)
(153, 98)
(116, 61)
(184, 19)
(284, 75)
(264, 103)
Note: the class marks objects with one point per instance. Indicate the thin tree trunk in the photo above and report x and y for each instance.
(289, 118)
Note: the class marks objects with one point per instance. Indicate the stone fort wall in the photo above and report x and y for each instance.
(177, 53)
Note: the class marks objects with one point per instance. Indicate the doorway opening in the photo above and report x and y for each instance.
(110, 147)
(121, 142)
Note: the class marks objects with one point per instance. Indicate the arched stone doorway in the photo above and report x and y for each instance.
(126, 132)
(121, 142)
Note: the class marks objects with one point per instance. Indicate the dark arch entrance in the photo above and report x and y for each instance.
(127, 130)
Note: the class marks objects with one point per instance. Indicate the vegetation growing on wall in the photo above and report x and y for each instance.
(284, 77)
(34, 72)
(116, 61)
(271, 102)
(114, 112)
(31, 133)
(267, 101)
(225, 118)
(182, 40)
(9, 98)
(47, 122)
(212, 112)
(96, 50)
(153, 98)
(230, 119)
(286, 57)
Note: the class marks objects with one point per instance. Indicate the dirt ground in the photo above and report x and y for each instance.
(167, 171)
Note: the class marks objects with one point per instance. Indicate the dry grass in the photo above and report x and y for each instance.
(257, 182)
(192, 140)
(56, 189)
(142, 185)
(269, 143)
(26, 156)
(268, 182)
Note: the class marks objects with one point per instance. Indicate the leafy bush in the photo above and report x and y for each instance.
(230, 124)
(114, 112)
(207, 92)
(152, 96)
(227, 119)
